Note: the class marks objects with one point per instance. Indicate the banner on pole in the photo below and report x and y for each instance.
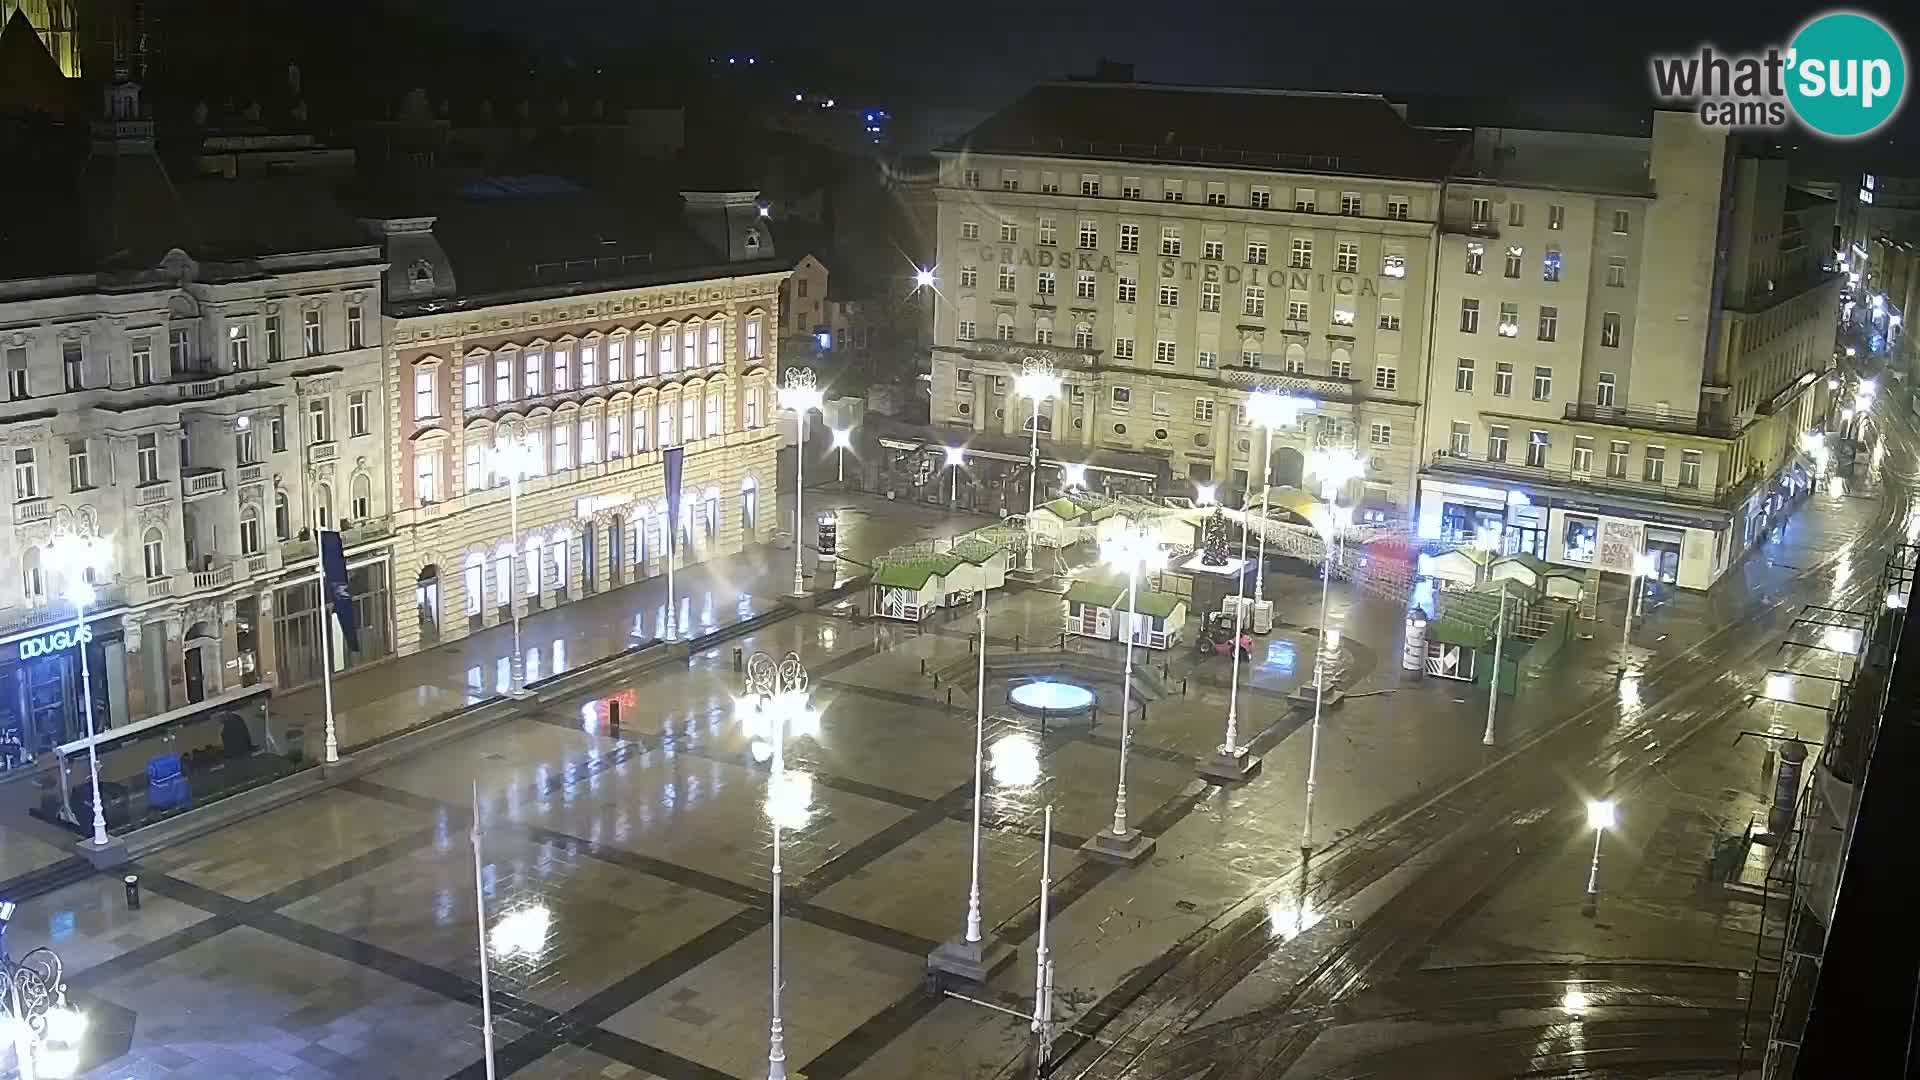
(672, 457)
(333, 561)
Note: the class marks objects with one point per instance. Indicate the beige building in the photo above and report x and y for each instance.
(1172, 250)
(600, 332)
(1629, 336)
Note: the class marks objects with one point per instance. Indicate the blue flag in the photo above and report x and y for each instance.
(333, 559)
(672, 457)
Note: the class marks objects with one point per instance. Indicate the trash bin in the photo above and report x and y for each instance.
(296, 750)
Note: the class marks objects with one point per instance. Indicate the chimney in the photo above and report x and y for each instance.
(730, 222)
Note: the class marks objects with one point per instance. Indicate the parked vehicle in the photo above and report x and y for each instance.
(1216, 637)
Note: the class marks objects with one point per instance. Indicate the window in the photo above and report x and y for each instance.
(1582, 454)
(641, 427)
(1461, 444)
(1482, 211)
(1210, 296)
(1514, 257)
(1516, 214)
(1303, 200)
(1164, 353)
(969, 277)
(282, 516)
(1389, 320)
(1469, 316)
(1129, 238)
(143, 361)
(1044, 283)
(1610, 330)
(1008, 279)
(1083, 286)
(1302, 255)
(1123, 348)
(535, 364)
(752, 409)
(1340, 369)
(1603, 391)
(1089, 234)
(616, 433)
(1169, 296)
(476, 469)
(1502, 380)
(1260, 198)
(1162, 405)
(1130, 187)
(1003, 328)
(310, 331)
(1550, 265)
(244, 449)
(617, 352)
(1083, 336)
(152, 555)
(753, 348)
(1169, 239)
(1496, 442)
(1655, 464)
(71, 365)
(1549, 323)
(1089, 185)
(1347, 257)
(319, 420)
(1398, 208)
(590, 357)
(1250, 358)
(423, 403)
(1295, 363)
(1537, 449)
(1203, 410)
(1257, 254)
(1043, 333)
(502, 379)
(1617, 460)
(970, 177)
(1463, 375)
(249, 531)
(1214, 250)
(473, 385)
(965, 330)
(969, 230)
(1617, 273)
(1476, 258)
(1543, 384)
(18, 387)
(79, 465)
(1582, 538)
(1122, 398)
(356, 327)
(563, 371)
(26, 475)
(1689, 468)
(1216, 194)
(1009, 233)
(1049, 184)
(1621, 219)
(1298, 311)
(1556, 217)
(360, 496)
(277, 430)
(1129, 289)
(1380, 434)
(1173, 191)
(1386, 378)
(273, 339)
(1350, 203)
(1343, 312)
(1509, 320)
(1393, 264)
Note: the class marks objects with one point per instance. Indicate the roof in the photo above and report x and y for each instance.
(1063, 508)
(1291, 499)
(1467, 619)
(1802, 199)
(1358, 134)
(1112, 593)
(912, 573)
(30, 79)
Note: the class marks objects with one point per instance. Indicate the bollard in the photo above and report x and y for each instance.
(133, 891)
(739, 658)
(936, 680)
(1016, 643)
(613, 715)
(1063, 641)
(949, 697)
(969, 644)
(1183, 686)
(923, 665)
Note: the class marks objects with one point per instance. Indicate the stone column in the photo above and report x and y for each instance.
(227, 666)
(1089, 419)
(266, 656)
(176, 662)
(138, 707)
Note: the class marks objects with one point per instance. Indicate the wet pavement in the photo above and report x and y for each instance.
(625, 871)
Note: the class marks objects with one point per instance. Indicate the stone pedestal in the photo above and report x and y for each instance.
(974, 962)
(1130, 849)
(1221, 768)
(102, 858)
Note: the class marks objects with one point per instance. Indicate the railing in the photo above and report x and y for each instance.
(158, 588)
(294, 550)
(1062, 356)
(156, 491)
(1721, 496)
(105, 598)
(1321, 387)
(1455, 225)
(258, 564)
(204, 482)
(1651, 419)
(203, 388)
(324, 451)
(252, 474)
(216, 578)
(38, 508)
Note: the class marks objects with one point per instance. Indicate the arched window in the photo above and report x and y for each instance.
(282, 517)
(475, 584)
(362, 497)
(33, 578)
(250, 530)
(153, 554)
(749, 505)
(426, 602)
(323, 505)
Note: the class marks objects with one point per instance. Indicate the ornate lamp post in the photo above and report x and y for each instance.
(1269, 410)
(1133, 551)
(513, 454)
(776, 706)
(1231, 762)
(798, 394)
(46, 1030)
(842, 438)
(76, 557)
(1038, 383)
(1328, 520)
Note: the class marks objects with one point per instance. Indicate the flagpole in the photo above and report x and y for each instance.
(332, 753)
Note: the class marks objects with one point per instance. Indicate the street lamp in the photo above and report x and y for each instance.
(956, 457)
(1038, 383)
(1076, 477)
(76, 557)
(1231, 761)
(1269, 410)
(776, 706)
(1600, 818)
(514, 455)
(1643, 565)
(1499, 636)
(1133, 551)
(798, 394)
(842, 438)
(46, 1029)
(1208, 495)
(968, 957)
(1328, 519)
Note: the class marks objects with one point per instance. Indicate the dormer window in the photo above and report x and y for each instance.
(420, 275)
(753, 239)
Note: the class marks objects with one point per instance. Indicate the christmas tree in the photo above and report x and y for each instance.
(1213, 543)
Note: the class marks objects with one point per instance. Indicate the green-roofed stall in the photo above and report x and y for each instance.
(912, 587)
(1096, 607)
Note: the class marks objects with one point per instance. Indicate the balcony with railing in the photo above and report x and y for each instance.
(29, 510)
(292, 551)
(1064, 357)
(320, 452)
(1318, 387)
(153, 493)
(55, 611)
(199, 483)
(1717, 497)
(1656, 419)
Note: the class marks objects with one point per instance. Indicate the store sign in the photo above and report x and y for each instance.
(1182, 269)
(56, 641)
(1620, 541)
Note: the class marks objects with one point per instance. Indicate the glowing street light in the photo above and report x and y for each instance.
(1336, 467)
(1600, 818)
(1076, 477)
(77, 558)
(923, 278)
(956, 459)
(1038, 383)
(799, 395)
(33, 1003)
(1133, 551)
(1207, 495)
(1269, 410)
(842, 439)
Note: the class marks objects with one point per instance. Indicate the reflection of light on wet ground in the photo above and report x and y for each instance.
(1630, 693)
(523, 930)
(1574, 1002)
(1280, 655)
(790, 798)
(1836, 486)
(1287, 920)
(1015, 760)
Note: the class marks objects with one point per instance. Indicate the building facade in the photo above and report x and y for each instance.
(1172, 251)
(199, 389)
(1629, 338)
(594, 378)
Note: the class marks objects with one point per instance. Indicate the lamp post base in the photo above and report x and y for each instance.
(103, 858)
(1130, 848)
(1591, 905)
(965, 961)
(1223, 768)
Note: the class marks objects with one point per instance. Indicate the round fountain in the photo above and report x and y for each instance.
(1050, 699)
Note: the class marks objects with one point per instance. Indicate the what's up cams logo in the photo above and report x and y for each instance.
(1844, 75)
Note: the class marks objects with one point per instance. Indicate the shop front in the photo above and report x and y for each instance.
(296, 625)
(40, 686)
